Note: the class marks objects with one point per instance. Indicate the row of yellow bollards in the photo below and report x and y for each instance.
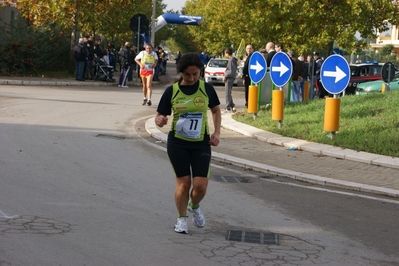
(331, 113)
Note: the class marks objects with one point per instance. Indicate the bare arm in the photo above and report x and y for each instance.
(217, 121)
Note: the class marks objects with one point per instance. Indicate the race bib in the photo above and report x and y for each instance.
(189, 125)
(148, 66)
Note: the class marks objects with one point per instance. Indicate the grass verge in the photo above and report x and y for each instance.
(368, 123)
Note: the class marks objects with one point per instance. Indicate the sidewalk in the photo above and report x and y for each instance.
(321, 164)
(37, 81)
(269, 153)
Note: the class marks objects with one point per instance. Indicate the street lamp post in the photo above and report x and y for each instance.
(153, 22)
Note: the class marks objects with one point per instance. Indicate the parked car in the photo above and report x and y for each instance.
(214, 71)
(376, 86)
(362, 73)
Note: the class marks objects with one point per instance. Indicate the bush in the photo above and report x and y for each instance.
(25, 50)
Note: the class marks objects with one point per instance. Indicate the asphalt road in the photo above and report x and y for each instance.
(81, 183)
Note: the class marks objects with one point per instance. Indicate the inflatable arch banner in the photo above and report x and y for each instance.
(168, 18)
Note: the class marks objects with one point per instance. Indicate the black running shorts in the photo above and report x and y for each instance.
(195, 160)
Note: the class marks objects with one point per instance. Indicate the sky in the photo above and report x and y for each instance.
(174, 4)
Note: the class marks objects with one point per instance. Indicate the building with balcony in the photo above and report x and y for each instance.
(390, 37)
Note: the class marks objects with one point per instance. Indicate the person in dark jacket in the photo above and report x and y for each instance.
(297, 78)
(98, 50)
(125, 65)
(80, 56)
(133, 65)
(90, 57)
(270, 52)
(230, 75)
(245, 72)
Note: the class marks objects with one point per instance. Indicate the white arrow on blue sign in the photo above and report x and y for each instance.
(280, 69)
(335, 74)
(257, 67)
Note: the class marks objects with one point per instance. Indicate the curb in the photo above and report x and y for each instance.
(155, 133)
(66, 83)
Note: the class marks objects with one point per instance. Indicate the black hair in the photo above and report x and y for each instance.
(228, 51)
(189, 59)
(280, 45)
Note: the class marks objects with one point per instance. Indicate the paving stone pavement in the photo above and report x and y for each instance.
(311, 166)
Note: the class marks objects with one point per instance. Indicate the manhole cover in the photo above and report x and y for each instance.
(253, 237)
(230, 179)
(33, 225)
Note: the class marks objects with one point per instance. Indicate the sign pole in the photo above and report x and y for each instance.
(280, 74)
(153, 22)
(335, 75)
(138, 35)
(257, 71)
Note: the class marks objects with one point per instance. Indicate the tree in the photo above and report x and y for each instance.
(303, 26)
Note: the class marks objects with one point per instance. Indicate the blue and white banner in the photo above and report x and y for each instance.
(176, 19)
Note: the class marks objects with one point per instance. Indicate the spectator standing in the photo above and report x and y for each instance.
(131, 56)
(112, 55)
(263, 52)
(311, 75)
(98, 50)
(90, 48)
(230, 75)
(204, 58)
(296, 77)
(98, 53)
(165, 58)
(80, 55)
(177, 58)
(279, 47)
(270, 52)
(125, 66)
(157, 70)
(320, 91)
(189, 148)
(249, 49)
(161, 60)
(147, 60)
(304, 76)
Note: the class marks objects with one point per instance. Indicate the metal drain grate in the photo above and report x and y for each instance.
(111, 136)
(230, 179)
(253, 237)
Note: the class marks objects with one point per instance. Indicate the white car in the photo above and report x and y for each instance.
(214, 71)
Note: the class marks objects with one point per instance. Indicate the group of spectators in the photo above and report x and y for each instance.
(87, 52)
(308, 70)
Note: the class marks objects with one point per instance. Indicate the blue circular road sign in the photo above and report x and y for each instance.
(280, 69)
(335, 74)
(257, 67)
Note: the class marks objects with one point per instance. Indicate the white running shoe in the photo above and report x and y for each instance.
(198, 217)
(181, 225)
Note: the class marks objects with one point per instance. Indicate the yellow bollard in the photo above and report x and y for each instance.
(306, 91)
(277, 105)
(253, 99)
(385, 87)
(331, 114)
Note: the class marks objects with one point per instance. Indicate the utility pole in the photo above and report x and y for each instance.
(154, 2)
